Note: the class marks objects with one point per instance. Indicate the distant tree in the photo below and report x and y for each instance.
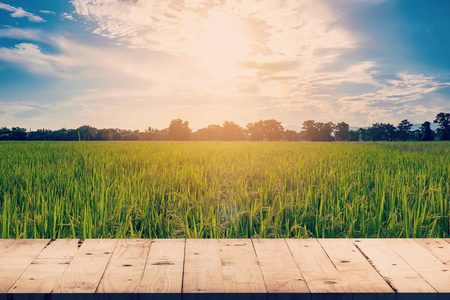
(415, 135)
(40, 135)
(107, 134)
(354, 135)
(18, 134)
(273, 130)
(5, 130)
(404, 130)
(231, 131)
(381, 132)
(87, 133)
(4, 133)
(211, 133)
(325, 131)
(317, 131)
(179, 130)
(153, 134)
(309, 130)
(364, 134)
(341, 132)
(255, 131)
(443, 119)
(291, 135)
(133, 136)
(426, 134)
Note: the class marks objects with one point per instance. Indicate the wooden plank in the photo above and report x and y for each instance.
(126, 267)
(164, 270)
(45, 270)
(319, 272)
(438, 247)
(87, 267)
(354, 268)
(423, 262)
(202, 267)
(401, 277)
(278, 267)
(15, 257)
(240, 269)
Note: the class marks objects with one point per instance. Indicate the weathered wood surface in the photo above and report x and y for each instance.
(226, 268)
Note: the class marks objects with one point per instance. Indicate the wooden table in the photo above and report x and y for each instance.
(225, 269)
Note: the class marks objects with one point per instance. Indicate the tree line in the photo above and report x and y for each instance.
(263, 130)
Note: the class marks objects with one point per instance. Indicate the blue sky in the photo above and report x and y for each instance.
(134, 63)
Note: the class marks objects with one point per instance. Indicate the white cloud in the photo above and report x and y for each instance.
(30, 57)
(47, 12)
(159, 66)
(287, 42)
(67, 16)
(18, 12)
(20, 34)
(408, 94)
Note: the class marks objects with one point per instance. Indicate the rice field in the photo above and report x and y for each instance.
(224, 189)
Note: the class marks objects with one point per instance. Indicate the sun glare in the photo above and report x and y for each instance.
(222, 45)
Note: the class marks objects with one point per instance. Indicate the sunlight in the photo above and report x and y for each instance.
(222, 45)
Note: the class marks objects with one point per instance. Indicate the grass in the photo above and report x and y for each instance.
(223, 189)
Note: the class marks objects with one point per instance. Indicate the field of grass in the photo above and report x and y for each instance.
(221, 189)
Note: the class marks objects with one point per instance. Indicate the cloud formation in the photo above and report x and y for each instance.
(47, 12)
(18, 12)
(211, 61)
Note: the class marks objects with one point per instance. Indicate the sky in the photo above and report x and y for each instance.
(132, 64)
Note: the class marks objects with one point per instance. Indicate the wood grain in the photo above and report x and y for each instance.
(280, 272)
(87, 267)
(318, 270)
(126, 267)
(423, 262)
(15, 257)
(438, 247)
(392, 267)
(354, 267)
(164, 270)
(202, 267)
(240, 269)
(46, 269)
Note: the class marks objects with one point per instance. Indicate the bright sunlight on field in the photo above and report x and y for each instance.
(214, 189)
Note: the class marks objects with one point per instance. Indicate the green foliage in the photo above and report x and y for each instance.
(443, 119)
(223, 189)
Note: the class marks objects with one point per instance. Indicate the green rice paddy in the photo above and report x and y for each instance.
(223, 189)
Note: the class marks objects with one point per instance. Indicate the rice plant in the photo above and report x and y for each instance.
(223, 189)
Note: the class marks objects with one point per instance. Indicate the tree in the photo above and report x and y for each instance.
(231, 131)
(309, 130)
(354, 135)
(179, 130)
(133, 136)
(273, 130)
(342, 132)
(317, 131)
(291, 135)
(210, 133)
(426, 134)
(40, 135)
(153, 134)
(256, 131)
(381, 132)
(87, 133)
(404, 130)
(443, 119)
(18, 134)
(106, 134)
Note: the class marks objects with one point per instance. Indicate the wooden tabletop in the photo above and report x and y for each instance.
(302, 268)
